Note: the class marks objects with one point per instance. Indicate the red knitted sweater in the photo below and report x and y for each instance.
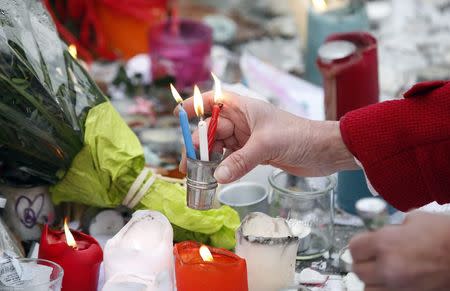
(404, 145)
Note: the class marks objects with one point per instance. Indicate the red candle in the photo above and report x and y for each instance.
(199, 267)
(215, 112)
(77, 253)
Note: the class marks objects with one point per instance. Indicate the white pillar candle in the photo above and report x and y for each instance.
(141, 253)
(270, 250)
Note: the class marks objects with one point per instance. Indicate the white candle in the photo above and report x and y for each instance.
(269, 247)
(202, 127)
(203, 136)
(141, 254)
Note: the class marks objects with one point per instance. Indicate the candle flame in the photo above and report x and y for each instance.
(72, 51)
(70, 240)
(206, 254)
(218, 96)
(320, 5)
(175, 94)
(198, 101)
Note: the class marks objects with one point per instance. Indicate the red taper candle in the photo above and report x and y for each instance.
(213, 125)
(215, 112)
(77, 253)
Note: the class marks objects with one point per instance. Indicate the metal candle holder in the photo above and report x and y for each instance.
(201, 184)
(374, 217)
(374, 213)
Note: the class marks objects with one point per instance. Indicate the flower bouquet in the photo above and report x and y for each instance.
(58, 128)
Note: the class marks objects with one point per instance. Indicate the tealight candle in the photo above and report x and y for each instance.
(77, 253)
(270, 250)
(200, 267)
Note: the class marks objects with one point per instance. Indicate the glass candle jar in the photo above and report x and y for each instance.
(38, 275)
(183, 52)
(308, 205)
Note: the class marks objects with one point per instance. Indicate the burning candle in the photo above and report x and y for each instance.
(184, 123)
(215, 112)
(199, 267)
(270, 250)
(202, 129)
(77, 253)
(326, 17)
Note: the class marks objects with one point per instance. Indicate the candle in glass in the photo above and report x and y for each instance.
(202, 128)
(328, 17)
(184, 123)
(270, 250)
(184, 55)
(77, 253)
(215, 112)
(200, 267)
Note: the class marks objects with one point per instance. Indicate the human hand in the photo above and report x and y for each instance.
(258, 133)
(412, 256)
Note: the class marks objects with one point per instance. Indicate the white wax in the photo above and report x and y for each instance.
(261, 225)
(270, 263)
(203, 138)
(143, 249)
(298, 228)
(371, 204)
(312, 277)
(347, 257)
(353, 283)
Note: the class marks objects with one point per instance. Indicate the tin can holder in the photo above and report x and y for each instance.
(200, 181)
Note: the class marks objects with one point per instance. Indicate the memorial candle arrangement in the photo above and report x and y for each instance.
(199, 267)
(77, 253)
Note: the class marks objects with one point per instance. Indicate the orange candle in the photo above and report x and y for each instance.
(201, 268)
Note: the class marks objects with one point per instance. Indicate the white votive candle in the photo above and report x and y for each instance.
(270, 250)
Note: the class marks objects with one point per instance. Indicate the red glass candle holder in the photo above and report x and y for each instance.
(226, 272)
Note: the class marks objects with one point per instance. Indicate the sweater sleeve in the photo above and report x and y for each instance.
(404, 145)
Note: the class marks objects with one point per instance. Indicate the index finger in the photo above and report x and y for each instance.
(363, 247)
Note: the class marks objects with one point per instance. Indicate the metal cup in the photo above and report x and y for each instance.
(373, 212)
(201, 184)
(245, 197)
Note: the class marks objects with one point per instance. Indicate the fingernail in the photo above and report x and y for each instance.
(222, 174)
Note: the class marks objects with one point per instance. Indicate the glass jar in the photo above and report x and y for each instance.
(308, 205)
(41, 275)
(182, 51)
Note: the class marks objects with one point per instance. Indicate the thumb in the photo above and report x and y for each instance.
(239, 163)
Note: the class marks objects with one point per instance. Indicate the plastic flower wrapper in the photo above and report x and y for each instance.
(58, 128)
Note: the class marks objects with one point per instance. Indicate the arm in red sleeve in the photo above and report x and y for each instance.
(404, 145)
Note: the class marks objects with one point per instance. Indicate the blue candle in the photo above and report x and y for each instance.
(184, 122)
